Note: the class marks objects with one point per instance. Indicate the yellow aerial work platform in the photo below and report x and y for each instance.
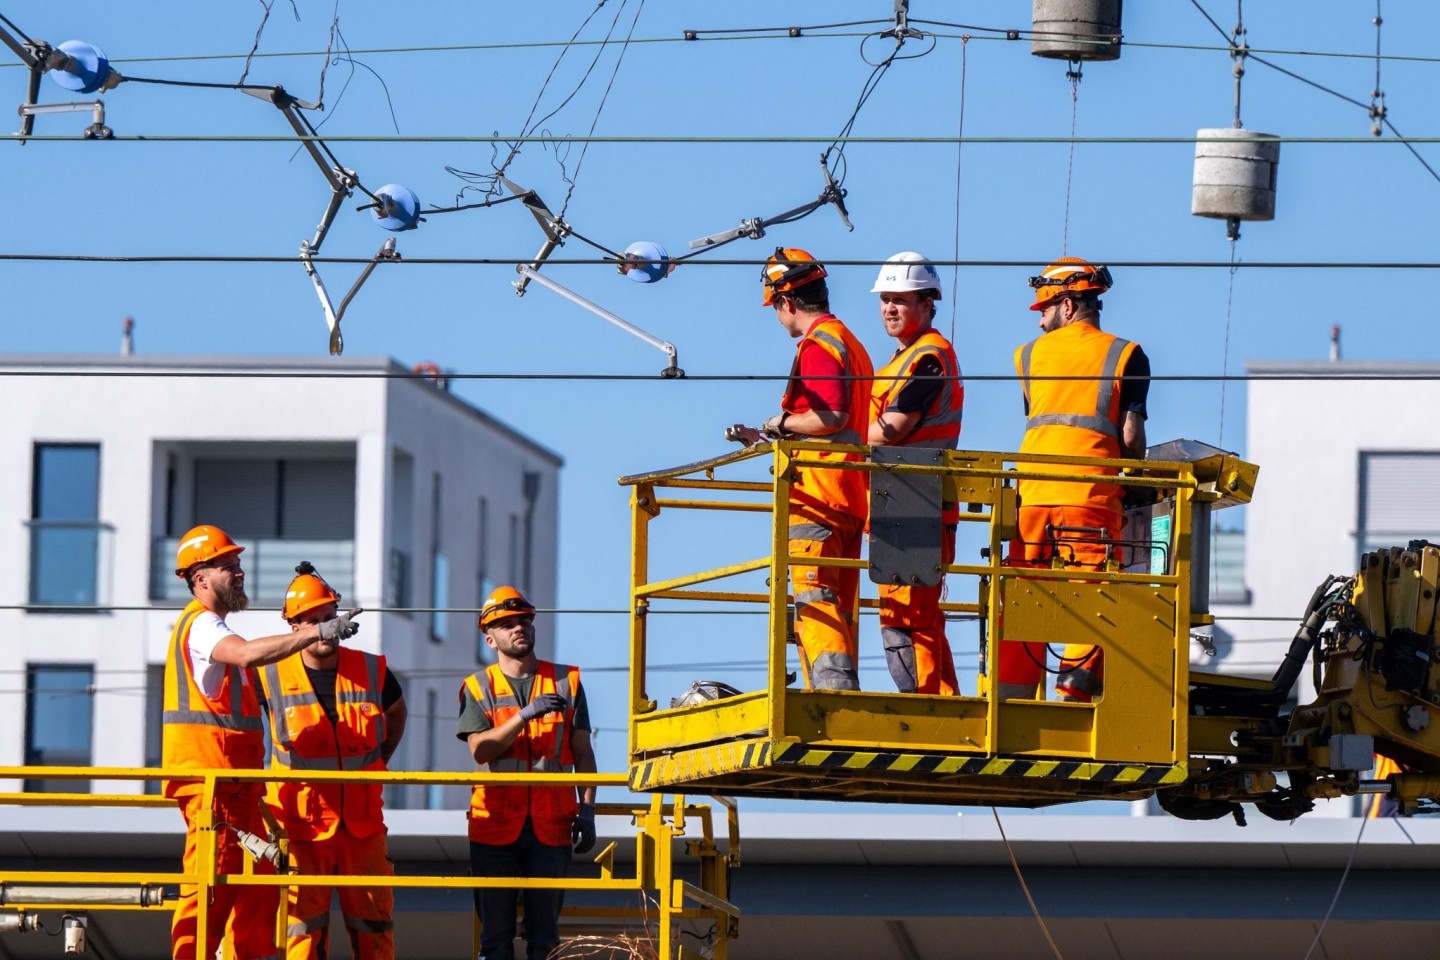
(784, 741)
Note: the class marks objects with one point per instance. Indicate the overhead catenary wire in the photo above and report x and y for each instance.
(975, 33)
(22, 370)
(1368, 107)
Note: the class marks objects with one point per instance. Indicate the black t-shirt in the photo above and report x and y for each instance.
(920, 392)
(323, 680)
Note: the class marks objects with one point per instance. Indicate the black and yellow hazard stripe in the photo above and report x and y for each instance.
(721, 760)
(949, 764)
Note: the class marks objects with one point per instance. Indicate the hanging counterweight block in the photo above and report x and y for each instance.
(1235, 174)
(1076, 29)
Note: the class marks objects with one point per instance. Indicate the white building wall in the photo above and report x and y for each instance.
(134, 419)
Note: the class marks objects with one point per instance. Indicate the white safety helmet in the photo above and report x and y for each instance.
(905, 272)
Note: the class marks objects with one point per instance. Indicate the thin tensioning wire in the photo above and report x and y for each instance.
(975, 33)
(734, 140)
(20, 369)
(608, 261)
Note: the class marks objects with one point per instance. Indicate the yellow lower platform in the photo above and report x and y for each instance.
(763, 767)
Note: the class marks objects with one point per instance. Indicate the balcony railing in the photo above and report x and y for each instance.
(70, 563)
(269, 567)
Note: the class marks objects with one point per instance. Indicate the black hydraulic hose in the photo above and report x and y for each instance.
(1223, 699)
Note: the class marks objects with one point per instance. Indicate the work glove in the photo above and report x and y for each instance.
(541, 705)
(582, 831)
(341, 628)
(771, 427)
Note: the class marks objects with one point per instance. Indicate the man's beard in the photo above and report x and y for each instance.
(232, 596)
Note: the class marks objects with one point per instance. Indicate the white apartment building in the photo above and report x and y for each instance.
(408, 500)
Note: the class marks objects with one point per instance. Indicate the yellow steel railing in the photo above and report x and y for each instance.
(659, 824)
(1142, 618)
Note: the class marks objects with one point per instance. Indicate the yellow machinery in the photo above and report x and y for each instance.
(1203, 744)
(783, 741)
(657, 899)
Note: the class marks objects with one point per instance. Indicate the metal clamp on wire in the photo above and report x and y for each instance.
(754, 228)
(387, 252)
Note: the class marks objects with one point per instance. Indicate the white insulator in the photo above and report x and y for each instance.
(1076, 29)
(1235, 174)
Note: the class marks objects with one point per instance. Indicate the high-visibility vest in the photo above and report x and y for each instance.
(939, 424)
(1073, 417)
(845, 491)
(200, 732)
(497, 813)
(303, 738)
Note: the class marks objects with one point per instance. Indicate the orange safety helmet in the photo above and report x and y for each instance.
(203, 544)
(789, 268)
(1066, 276)
(503, 602)
(306, 592)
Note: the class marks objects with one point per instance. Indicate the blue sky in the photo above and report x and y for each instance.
(1129, 202)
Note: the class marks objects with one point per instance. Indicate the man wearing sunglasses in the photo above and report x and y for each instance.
(1085, 393)
(332, 707)
(524, 715)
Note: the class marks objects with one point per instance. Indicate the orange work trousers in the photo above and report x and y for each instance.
(1081, 674)
(366, 910)
(912, 629)
(245, 914)
(826, 597)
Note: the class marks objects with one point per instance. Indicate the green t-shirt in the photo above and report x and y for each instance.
(474, 720)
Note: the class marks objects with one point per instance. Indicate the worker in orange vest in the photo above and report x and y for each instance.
(827, 398)
(916, 402)
(1085, 393)
(332, 708)
(524, 715)
(212, 720)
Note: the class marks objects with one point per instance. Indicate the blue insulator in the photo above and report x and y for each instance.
(398, 209)
(658, 267)
(89, 69)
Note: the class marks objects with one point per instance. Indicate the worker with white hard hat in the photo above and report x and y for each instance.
(916, 402)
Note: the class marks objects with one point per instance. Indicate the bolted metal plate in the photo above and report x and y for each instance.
(905, 518)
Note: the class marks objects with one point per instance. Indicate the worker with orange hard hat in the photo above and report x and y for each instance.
(212, 720)
(827, 399)
(916, 402)
(332, 707)
(1085, 392)
(522, 714)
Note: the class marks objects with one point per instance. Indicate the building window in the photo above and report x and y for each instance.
(66, 536)
(399, 575)
(1399, 499)
(512, 565)
(434, 792)
(484, 583)
(154, 720)
(439, 570)
(1227, 566)
(58, 722)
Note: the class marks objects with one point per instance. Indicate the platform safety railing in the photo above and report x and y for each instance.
(665, 899)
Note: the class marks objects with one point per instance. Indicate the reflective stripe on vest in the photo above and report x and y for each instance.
(1100, 421)
(499, 812)
(1070, 378)
(304, 738)
(198, 732)
(236, 719)
(844, 491)
(281, 704)
(939, 424)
